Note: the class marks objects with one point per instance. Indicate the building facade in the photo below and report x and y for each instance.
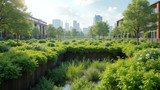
(40, 24)
(76, 25)
(97, 18)
(66, 26)
(57, 23)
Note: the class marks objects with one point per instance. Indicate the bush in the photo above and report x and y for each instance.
(82, 84)
(50, 44)
(42, 41)
(57, 75)
(9, 36)
(133, 42)
(91, 74)
(65, 42)
(108, 44)
(11, 43)
(74, 71)
(147, 35)
(147, 54)
(4, 48)
(1, 39)
(13, 64)
(81, 42)
(44, 84)
(73, 40)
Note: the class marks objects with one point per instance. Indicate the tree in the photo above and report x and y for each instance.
(59, 32)
(139, 17)
(74, 32)
(91, 32)
(9, 10)
(115, 32)
(50, 31)
(21, 25)
(101, 29)
(35, 32)
(13, 17)
(67, 33)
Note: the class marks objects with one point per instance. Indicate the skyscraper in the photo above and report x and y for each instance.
(76, 25)
(66, 26)
(96, 19)
(57, 23)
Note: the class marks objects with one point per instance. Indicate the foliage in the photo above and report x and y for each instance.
(42, 41)
(82, 84)
(146, 34)
(59, 32)
(57, 75)
(9, 36)
(74, 32)
(138, 17)
(65, 42)
(4, 48)
(74, 71)
(101, 29)
(35, 32)
(50, 44)
(50, 31)
(44, 84)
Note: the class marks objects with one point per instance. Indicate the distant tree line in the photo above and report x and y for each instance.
(59, 32)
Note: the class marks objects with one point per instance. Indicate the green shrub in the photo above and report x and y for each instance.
(53, 41)
(74, 71)
(50, 44)
(133, 42)
(82, 84)
(147, 35)
(101, 66)
(4, 48)
(42, 41)
(81, 42)
(74, 43)
(44, 84)
(65, 42)
(73, 40)
(108, 44)
(8, 70)
(91, 74)
(1, 39)
(130, 74)
(11, 43)
(57, 75)
(9, 36)
(147, 54)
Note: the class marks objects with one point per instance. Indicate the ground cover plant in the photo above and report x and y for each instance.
(139, 70)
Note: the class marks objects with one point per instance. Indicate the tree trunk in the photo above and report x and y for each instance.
(99, 36)
(138, 37)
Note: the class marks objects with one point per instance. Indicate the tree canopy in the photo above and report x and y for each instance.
(50, 31)
(35, 32)
(139, 17)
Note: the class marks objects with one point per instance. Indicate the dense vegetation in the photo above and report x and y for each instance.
(139, 71)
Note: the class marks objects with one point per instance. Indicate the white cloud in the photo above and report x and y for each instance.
(64, 10)
(112, 9)
(84, 2)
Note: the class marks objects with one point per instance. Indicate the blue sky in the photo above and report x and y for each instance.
(81, 10)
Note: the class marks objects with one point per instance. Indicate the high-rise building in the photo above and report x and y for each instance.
(76, 25)
(96, 19)
(57, 23)
(66, 26)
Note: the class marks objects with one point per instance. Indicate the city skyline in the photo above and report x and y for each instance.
(81, 10)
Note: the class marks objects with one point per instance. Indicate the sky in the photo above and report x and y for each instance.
(83, 11)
